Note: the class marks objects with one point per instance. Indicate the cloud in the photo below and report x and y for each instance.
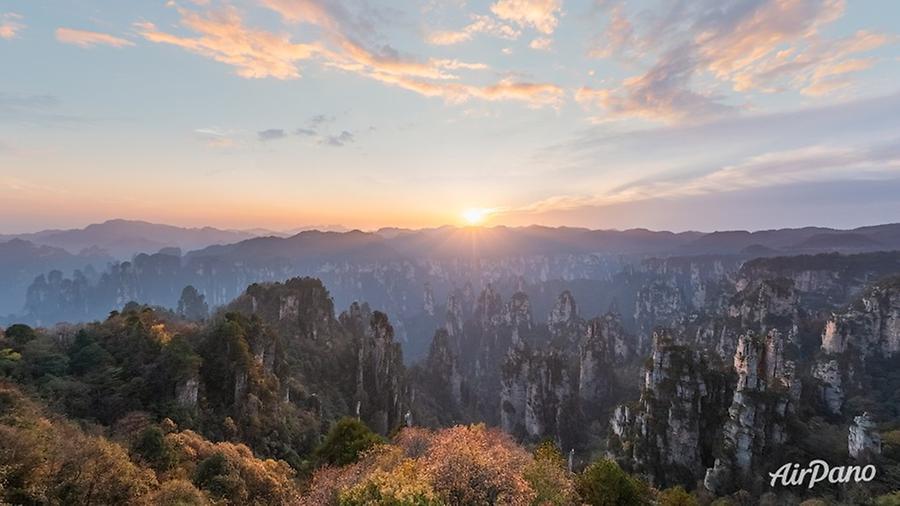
(320, 119)
(86, 39)
(812, 164)
(271, 134)
(480, 24)
(10, 25)
(431, 77)
(308, 132)
(752, 46)
(216, 138)
(340, 139)
(662, 93)
(224, 38)
(538, 14)
(541, 43)
(345, 44)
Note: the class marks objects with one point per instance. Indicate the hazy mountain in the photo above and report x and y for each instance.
(812, 239)
(21, 261)
(124, 238)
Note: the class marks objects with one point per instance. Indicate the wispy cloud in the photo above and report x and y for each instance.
(224, 38)
(86, 39)
(340, 139)
(10, 25)
(271, 134)
(216, 137)
(431, 77)
(480, 24)
(755, 46)
(811, 164)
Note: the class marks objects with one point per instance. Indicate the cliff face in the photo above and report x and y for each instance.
(701, 419)
(766, 392)
(341, 366)
(604, 346)
(870, 326)
(535, 380)
(537, 397)
(380, 375)
(564, 323)
(865, 332)
(666, 434)
(863, 441)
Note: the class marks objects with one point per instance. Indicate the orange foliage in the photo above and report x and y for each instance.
(463, 465)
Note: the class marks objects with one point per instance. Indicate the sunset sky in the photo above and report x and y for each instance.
(678, 115)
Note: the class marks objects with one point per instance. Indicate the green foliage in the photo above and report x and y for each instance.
(548, 477)
(604, 483)
(20, 334)
(218, 476)
(152, 447)
(892, 499)
(676, 496)
(345, 442)
(9, 361)
(192, 305)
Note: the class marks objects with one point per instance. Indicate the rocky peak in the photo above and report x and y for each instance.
(442, 365)
(517, 314)
(380, 373)
(300, 308)
(764, 395)
(566, 327)
(603, 345)
(863, 441)
(428, 303)
(455, 316)
(869, 326)
(767, 304)
(658, 303)
(489, 309)
(565, 311)
(760, 364)
(537, 395)
(682, 400)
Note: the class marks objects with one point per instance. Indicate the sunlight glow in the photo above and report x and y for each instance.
(475, 216)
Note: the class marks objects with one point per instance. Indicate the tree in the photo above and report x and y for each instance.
(548, 477)
(347, 439)
(192, 305)
(216, 474)
(20, 334)
(152, 447)
(604, 483)
(676, 496)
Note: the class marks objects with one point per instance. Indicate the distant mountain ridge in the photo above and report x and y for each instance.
(123, 238)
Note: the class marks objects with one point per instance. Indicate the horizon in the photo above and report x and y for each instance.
(267, 113)
(338, 228)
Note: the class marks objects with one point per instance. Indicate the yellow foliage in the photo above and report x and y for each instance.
(463, 465)
(160, 333)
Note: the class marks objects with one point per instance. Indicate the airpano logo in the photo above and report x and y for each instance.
(818, 471)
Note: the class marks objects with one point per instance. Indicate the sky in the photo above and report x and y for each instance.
(671, 114)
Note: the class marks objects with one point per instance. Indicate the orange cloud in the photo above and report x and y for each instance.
(84, 38)
(10, 25)
(260, 54)
(772, 46)
(223, 37)
(539, 14)
(479, 24)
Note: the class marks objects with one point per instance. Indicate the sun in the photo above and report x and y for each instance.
(475, 216)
